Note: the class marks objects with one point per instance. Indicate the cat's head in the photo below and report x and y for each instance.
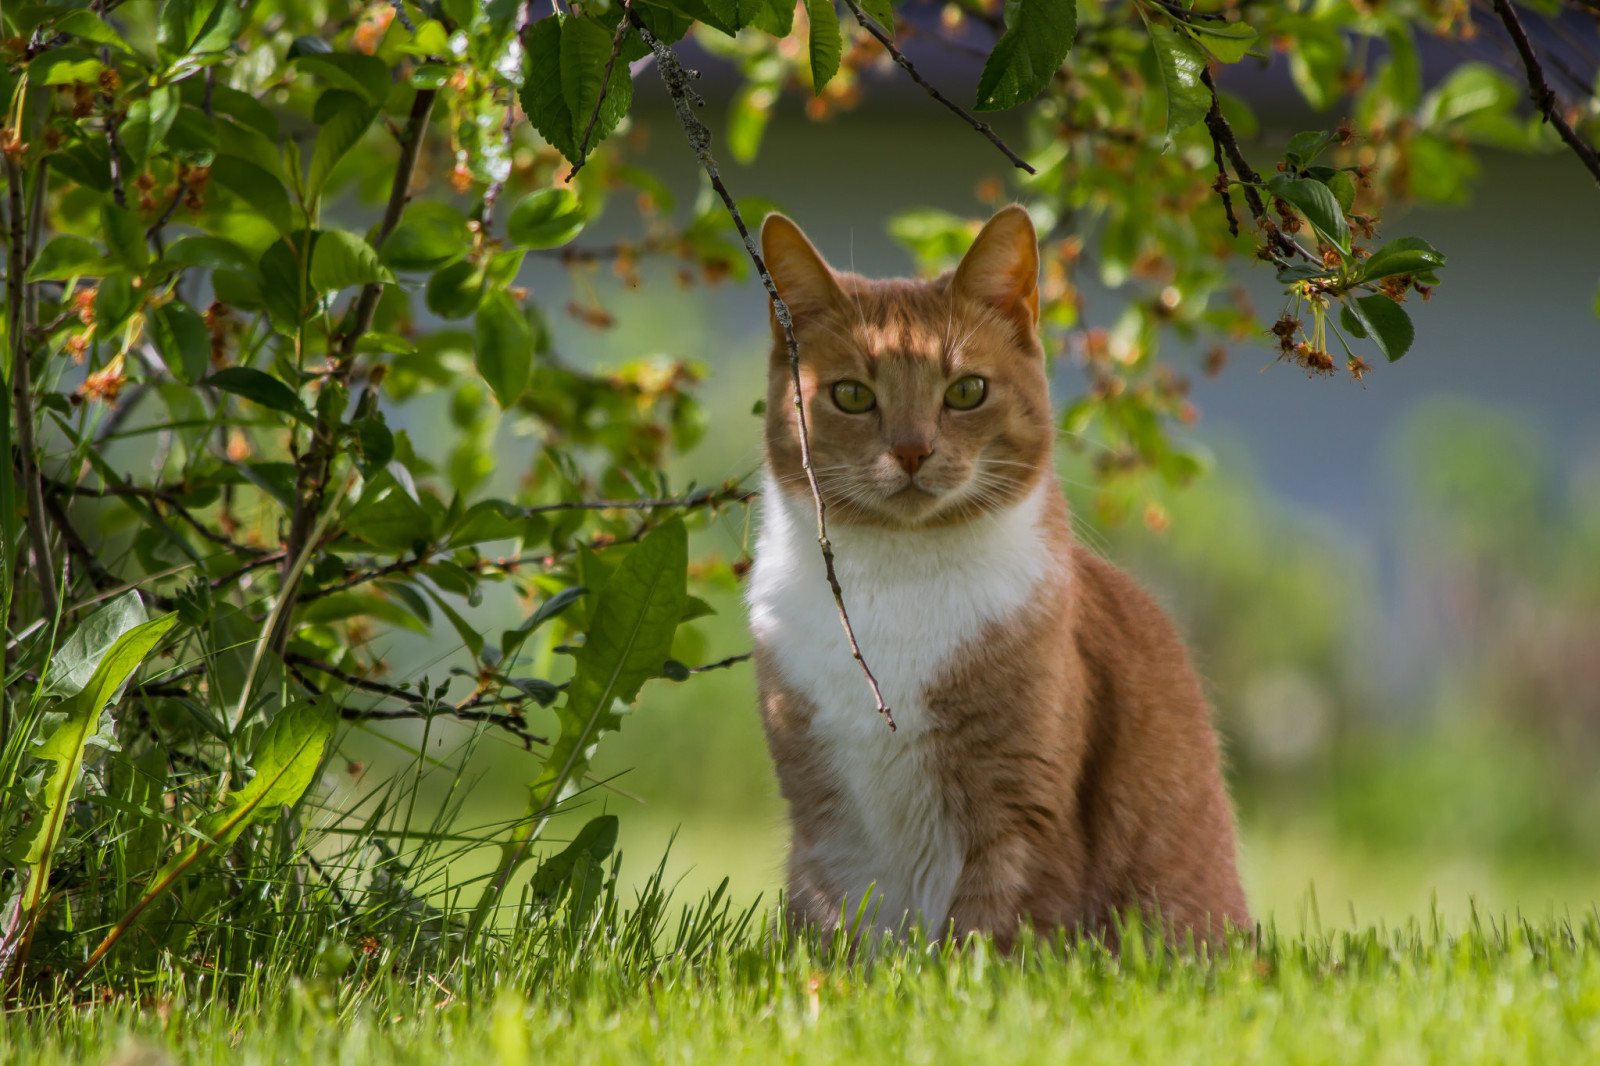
(926, 401)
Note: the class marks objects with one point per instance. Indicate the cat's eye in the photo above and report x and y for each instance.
(965, 394)
(853, 398)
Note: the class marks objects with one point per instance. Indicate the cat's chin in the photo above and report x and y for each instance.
(915, 507)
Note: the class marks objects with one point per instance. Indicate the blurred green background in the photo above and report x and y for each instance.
(1392, 589)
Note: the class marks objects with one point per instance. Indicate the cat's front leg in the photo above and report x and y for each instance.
(989, 893)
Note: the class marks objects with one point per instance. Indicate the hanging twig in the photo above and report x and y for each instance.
(1539, 91)
(887, 40)
(676, 79)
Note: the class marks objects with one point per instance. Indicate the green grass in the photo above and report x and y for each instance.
(1501, 992)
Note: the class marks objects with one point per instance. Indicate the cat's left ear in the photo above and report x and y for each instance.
(1002, 266)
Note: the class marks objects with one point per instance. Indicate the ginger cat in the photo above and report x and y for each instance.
(1055, 761)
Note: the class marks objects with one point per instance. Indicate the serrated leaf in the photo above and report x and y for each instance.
(882, 12)
(283, 766)
(585, 50)
(504, 348)
(341, 260)
(594, 842)
(1386, 322)
(1038, 36)
(75, 661)
(66, 747)
(542, 98)
(546, 218)
(1317, 203)
(1181, 64)
(630, 635)
(826, 42)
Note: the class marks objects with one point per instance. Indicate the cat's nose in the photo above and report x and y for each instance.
(911, 454)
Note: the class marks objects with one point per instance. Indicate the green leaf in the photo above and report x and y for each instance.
(542, 98)
(1339, 182)
(469, 636)
(283, 766)
(367, 75)
(546, 218)
(388, 518)
(258, 191)
(64, 66)
(68, 257)
(181, 337)
(75, 661)
(259, 387)
(89, 26)
(504, 348)
(1386, 322)
(1352, 325)
(193, 137)
(1181, 65)
(1317, 203)
(285, 290)
(630, 635)
(1228, 41)
(429, 236)
(512, 639)
(827, 43)
(341, 260)
(771, 16)
(1404, 255)
(1316, 59)
(376, 443)
(882, 12)
(1304, 147)
(585, 49)
(66, 747)
(340, 133)
(198, 27)
(210, 253)
(456, 290)
(124, 236)
(1038, 37)
(594, 842)
(149, 119)
(488, 520)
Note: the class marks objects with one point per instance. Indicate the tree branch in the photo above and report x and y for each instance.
(311, 477)
(1539, 91)
(676, 80)
(887, 40)
(22, 392)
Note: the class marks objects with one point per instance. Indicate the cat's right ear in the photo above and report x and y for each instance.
(804, 280)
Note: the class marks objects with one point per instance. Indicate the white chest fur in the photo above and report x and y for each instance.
(915, 599)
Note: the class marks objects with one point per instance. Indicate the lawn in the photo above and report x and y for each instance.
(1489, 991)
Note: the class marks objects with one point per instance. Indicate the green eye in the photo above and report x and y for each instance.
(854, 398)
(965, 394)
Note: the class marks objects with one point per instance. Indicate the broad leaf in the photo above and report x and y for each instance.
(1038, 37)
(504, 348)
(341, 260)
(546, 218)
(68, 257)
(827, 43)
(1386, 322)
(1228, 41)
(1181, 64)
(513, 639)
(1317, 203)
(181, 337)
(585, 50)
(66, 747)
(1404, 255)
(429, 236)
(75, 661)
(338, 135)
(259, 387)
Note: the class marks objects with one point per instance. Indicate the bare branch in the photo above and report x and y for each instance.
(887, 40)
(676, 80)
(22, 392)
(1539, 91)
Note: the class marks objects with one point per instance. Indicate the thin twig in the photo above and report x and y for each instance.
(22, 394)
(887, 40)
(1223, 141)
(1222, 169)
(1539, 91)
(676, 80)
(605, 88)
(311, 476)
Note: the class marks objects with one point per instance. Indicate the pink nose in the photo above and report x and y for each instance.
(911, 454)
